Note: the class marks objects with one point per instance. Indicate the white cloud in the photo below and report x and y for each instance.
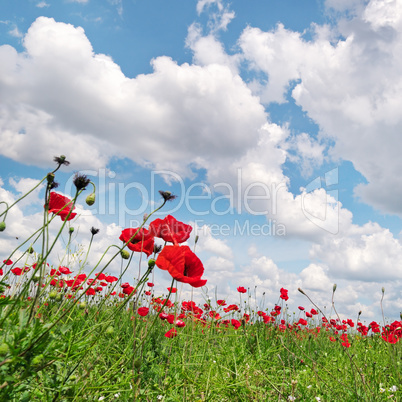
(42, 4)
(16, 32)
(64, 99)
(308, 153)
(350, 86)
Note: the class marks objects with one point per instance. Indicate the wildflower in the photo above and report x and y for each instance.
(111, 279)
(241, 289)
(236, 323)
(180, 323)
(62, 206)
(81, 181)
(167, 195)
(284, 294)
(172, 290)
(182, 264)
(143, 311)
(141, 240)
(150, 284)
(301, 308)
(17, 271)
(61, 160)
(171, 333)
(170, 230)
(94, 231)
(7, 262)
(65, 270)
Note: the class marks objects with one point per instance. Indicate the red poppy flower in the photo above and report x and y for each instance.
(314, 312)
(301, 308)
(150, 284)
(171, 333)
(241, 289)
(236, 323)
(60, 205)
(90, 292)
(170, 229)
(65, 270)
(100, 276)
(111, 279)
(309, 315)
(302, 321)
(182, 264)
(180, 323)
(1, 271)
(128, 290)
(147, 293)
(143, 311)
(284, 294)
(17, 271)
(221, 302)
(172, 290)
(7, 262)
(142, 241)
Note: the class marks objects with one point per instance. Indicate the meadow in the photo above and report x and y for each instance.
(74, 332)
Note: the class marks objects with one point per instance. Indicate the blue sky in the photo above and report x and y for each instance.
(256, 101)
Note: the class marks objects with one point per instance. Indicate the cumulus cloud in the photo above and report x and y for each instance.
(177, 113)
(348, 80)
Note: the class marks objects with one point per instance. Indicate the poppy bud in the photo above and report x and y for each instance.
(334, 288)
(36, 278)
(137, 363)
(30, 250)
(90, 200)
(53, 295)
(4, 349)
(151, 263)
(83, 305)
(125, 254)
(301, 291)
(2, 226)
(383, 290)
(110, 330)
(59, 297)
(71, 230)
(196, 239)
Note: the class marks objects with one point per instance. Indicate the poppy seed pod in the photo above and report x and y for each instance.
(2, 226)
(151, 263)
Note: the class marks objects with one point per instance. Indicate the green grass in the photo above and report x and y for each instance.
(95, 355)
